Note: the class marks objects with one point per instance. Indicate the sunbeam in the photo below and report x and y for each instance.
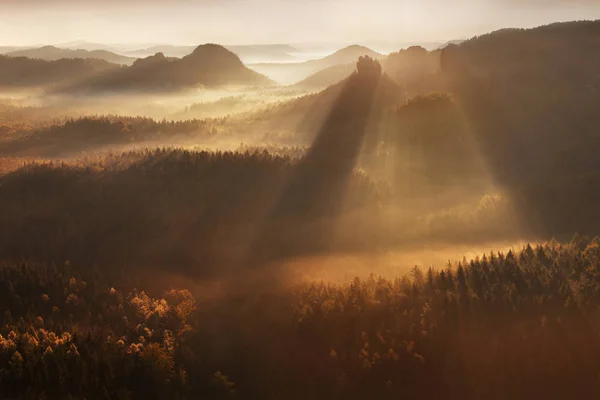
(318, 186)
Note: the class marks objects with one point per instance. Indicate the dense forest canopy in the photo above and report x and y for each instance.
(495, 326)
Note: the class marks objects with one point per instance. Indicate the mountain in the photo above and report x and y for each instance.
(52, 53)
(247, 53)
(529, 102)
(207, 65)
(28, 72)
(409, 67)
(531, 98)
(287, 73)
(343, 56)
(416, 69)
(166, 49)
(305, 116)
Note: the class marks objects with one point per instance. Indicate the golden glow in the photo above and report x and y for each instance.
(33, 22)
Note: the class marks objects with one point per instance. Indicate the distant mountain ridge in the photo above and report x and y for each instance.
(288, 73)
(247, 53)
(7, 49)
(346, 55)
(406, 67)
(52, 53)
(208, 65)
(119, 54)
(28, 72)
(306, 114)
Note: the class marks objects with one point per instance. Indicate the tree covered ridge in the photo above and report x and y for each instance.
(85, 133)
(199, 209)
(516, 324)
(530, 97)
(153, 206)
(208, 65)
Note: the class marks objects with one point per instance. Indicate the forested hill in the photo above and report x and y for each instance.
(208, 65)
(18, 72)
(531, 97)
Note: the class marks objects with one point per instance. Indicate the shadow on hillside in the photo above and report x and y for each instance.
(302, 220)
(533, 104)
(536, 157)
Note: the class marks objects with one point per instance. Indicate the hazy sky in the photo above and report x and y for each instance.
(27, 22)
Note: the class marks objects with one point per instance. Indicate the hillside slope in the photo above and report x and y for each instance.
(326, 77)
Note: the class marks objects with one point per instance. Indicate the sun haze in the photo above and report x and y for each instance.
(32, 22)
